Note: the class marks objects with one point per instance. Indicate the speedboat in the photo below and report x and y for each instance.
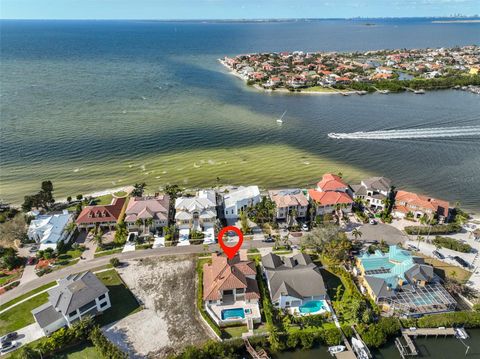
(280, 120)
(333, 135)
(336, 349)
(461, 333)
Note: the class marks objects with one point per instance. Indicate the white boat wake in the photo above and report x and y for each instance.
(433, 132)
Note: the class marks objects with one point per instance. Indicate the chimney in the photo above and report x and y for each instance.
(243, 254)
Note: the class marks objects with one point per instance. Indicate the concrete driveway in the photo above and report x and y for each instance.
(28, 274)
(28, 334)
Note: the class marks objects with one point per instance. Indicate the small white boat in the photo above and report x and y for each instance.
(280, 120)
(461, 333)
(419, 92)
(336, 349)
(361, 93)
(384, 92)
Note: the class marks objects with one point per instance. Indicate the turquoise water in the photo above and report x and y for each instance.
(93, 105)
(233, 313)
(312, 306)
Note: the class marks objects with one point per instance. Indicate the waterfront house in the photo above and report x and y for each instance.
(290, 204)
(104, 216)
(152, 211)
(419, 206)
(197, 214)
(400, 283)
(230, 289)
(75, 297)
(48, 230)
(238, 199)
(295, 284)
(374, 191)
(331, 195)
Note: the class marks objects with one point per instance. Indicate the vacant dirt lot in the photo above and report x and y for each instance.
(170, 320)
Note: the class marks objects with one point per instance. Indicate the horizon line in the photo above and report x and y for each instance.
(250, 19)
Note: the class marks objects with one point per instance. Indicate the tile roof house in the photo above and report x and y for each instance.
(398, 281)
(230, 284)
(287, 201)
(101, 215)
(154, 208)
(293, 282)
(421, 205)
(373, 190)
(74, 297)
(48, 230)
(331, 193)
(238, 199)
(196, 212)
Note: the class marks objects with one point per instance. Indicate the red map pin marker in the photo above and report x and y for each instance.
(230, 251)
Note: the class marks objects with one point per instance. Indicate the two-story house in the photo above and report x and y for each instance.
(197, 214)
(295, 284)
(290, 204)
(75, 297)
(148, 213)
(48, 230)
(104, 216)
(230, 289)
(331, 195)
(374, 191)
(238, 199)
(419, 205)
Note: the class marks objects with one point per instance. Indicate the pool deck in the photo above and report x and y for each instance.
(215, 311)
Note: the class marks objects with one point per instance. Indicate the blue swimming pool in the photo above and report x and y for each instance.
(234, 313)
(313, 306)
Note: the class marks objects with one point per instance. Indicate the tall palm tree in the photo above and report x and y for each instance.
(149, 223)
(139, 222)
(356, 233)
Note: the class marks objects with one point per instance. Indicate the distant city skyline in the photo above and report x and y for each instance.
(229, 9)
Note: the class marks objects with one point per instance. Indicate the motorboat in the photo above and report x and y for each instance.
(333, 135)
(363, 92)
(336, 349)
(360, 349)
(461, 333)
(419, 92)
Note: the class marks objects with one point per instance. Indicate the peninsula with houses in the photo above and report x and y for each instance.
(384, 71)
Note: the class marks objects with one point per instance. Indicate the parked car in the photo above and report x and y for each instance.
(33, 249)
(269, 240)
(438, 255)
(413, 248)
(305, 227)
(7, 346)
(31, 260)
(8, 337)
(373, 221)
(461, 261)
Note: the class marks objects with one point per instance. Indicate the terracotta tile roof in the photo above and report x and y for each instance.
(102, 213)
(148, 207)
(288, 197)
(329, 198)
(226, 274)
(331, 182)
(409, 199)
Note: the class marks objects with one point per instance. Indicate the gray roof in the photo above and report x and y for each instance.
(296, 276)
(378, 183)
(75, 291)
(379, 287)
(46, 315)
(359, 190)
(422, 272)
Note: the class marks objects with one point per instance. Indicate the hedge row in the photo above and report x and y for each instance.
(437, 229)
(451, 243)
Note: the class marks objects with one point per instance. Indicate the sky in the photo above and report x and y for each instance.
(231, 9)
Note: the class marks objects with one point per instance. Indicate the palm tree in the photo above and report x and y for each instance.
(98, 238)
(70, 227)
(149, 223)
(356, 233)
(139, 222)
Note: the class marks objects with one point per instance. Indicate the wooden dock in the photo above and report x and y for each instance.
(260, 354)
(428, 332)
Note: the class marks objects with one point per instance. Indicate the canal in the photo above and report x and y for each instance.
(440, 348)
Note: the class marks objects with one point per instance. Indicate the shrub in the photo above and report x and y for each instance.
(437, 229)
(115, 261)
(451, 243)
(106, 348)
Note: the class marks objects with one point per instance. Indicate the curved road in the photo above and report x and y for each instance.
(100, 261)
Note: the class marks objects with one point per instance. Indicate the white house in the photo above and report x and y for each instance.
(48, 230)
(374, 191)
(238, 199)
(75, 297)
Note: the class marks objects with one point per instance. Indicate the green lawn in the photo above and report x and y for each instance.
(120, 194)
(123, 301)
(26, 295)
(5, 279)
(21, 316)
(81, 351)
(106, 253)
(234, 332)
(318, 89)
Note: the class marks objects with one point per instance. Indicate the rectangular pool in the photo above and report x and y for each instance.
(234, 313)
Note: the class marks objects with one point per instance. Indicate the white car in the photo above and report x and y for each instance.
(373, 221)
(305, 227)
